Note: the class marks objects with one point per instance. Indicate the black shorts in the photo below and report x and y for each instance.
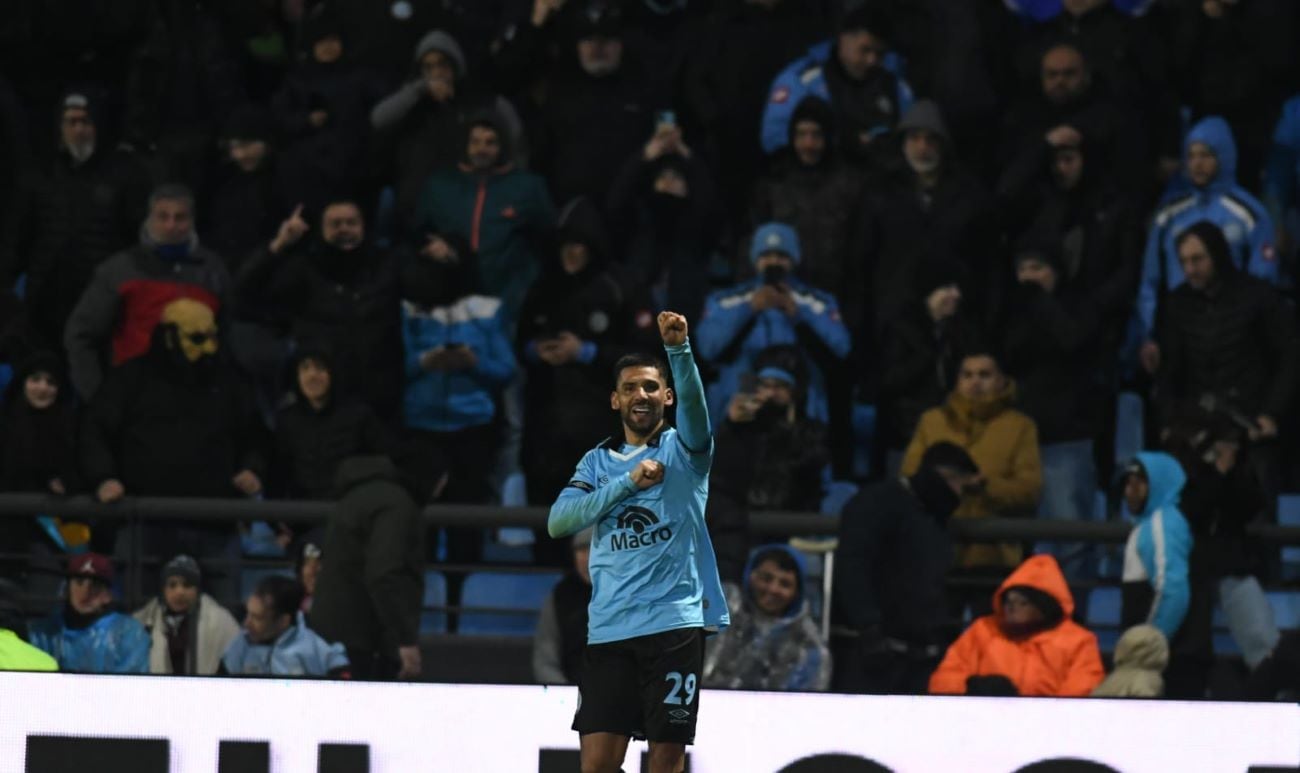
(647, 687)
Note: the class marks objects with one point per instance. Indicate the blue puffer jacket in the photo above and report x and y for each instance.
(1044, 10)
(446, 401)
(1282, 174)
(113, 644)
(731, 334)
(806, 76)
(1241, 216)
(1160, 544)
(299, 651)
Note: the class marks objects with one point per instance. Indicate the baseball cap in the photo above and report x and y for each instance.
(92, 565)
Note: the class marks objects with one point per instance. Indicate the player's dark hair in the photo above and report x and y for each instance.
(783, 560)
(640, 360)
(283, 594)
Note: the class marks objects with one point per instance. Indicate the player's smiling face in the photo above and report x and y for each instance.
(640, 399)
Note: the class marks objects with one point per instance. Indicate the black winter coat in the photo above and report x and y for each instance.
(310, 444)
(918, 368)
(244, 213)
(1236, 342)
(350, 304)
(371, 590)
(163, 429)
(890, 566)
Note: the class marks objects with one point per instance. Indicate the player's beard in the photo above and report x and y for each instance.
(642, 423)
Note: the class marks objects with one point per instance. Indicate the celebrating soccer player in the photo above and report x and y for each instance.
(655, 587)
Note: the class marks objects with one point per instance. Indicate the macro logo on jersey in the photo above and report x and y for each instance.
(638, 528)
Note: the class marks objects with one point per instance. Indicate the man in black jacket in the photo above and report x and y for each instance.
(85, 206)
(370, 591)
(338, 289)
(1229, 342)
(889, 608)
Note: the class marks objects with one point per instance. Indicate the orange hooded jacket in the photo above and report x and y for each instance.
(1061, 661)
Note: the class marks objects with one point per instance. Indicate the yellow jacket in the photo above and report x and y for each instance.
(18, 655)
(1004, 444)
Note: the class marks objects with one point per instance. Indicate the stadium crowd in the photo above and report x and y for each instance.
(386, 253)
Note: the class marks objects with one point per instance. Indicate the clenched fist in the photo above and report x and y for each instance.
(672, 328)
(647, 474)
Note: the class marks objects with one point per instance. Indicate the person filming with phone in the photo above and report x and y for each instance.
(774, 308)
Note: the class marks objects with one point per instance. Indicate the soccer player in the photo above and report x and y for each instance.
(655, 587)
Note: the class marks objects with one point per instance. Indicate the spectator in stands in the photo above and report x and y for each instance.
(1210, 157)
(424, 122)
(890, 609)
(1028, 646)
(575, 324)
(1221, 497)
(920, 353)
(322, 112)
(189, 629)
(978, 417)
(562, 624)
(248, 198)
(768, 455)
(176, 422)
(663, 208)
(15, 653)
(856, 73)
(1253, 42)
(773, 642)
(318, 430)
(370, 594)
(776, 307)
(38, 429)
(87, 633)
(930, 194)
(1141, 656)
(1156, 587)
(1049, 336)
(1070, 99)
(307, 569)
(340, 290)
(115, 319)
(1055, 192)
(182, 83)
(813, 189)
(499, 210)
(81, 209)
(276, 640)
(727, 77)
(458, 357)
(1282, 185)
(598, 107)
(1227, 340)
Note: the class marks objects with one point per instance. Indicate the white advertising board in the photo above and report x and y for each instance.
(433, 727)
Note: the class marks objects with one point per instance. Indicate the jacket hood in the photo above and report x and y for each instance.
(446, 44)
(925, 114)
(1216, 244)
(580, 222)
(819, 111)
(1143, 647)
(1215, 133)
(777, 237)
(1166, 479)
(46, 361)
(311, 350)
(796, 606)
(1041, 573)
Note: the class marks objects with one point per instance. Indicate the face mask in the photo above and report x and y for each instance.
(193, 329)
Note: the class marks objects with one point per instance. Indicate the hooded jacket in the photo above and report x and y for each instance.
(1060, 661)
(1141, 657)
(1157, 551)
(299, 651)
(761, 652)
(504, 215)
(37, 446)
(820, 201)
(113, 644)
(1234, 340)
(1243, 219)
(810, 75)
(424, 136)
(209, 629)
(1004, 444)
(371, 588)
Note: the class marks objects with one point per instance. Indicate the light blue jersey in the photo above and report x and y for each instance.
(652, 564)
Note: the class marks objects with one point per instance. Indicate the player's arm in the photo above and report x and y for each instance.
(581, 504)
(692, 411)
